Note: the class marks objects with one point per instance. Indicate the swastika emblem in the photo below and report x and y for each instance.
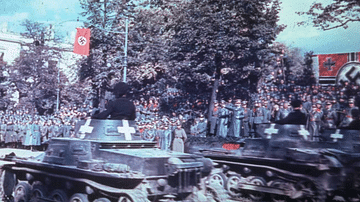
(82, 41)
(350, 72)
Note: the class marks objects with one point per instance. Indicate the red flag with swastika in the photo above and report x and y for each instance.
(82, 41)
(329, 64)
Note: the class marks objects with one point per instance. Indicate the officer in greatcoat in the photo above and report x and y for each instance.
(222, 125)
(237, 119)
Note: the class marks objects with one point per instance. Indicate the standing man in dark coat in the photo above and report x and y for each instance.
(294, 117)
(121, 107)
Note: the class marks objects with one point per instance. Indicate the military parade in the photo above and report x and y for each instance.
(179, 100)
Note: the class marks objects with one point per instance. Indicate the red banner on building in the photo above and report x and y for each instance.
(82, 41)
(330, 64)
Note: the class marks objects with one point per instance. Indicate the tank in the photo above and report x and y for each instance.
(108, 162)
(283, 164)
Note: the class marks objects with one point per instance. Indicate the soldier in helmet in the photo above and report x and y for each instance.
(348, 116)
(202, 126)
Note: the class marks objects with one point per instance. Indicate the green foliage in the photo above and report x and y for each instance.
(176, 42)
(337, 14)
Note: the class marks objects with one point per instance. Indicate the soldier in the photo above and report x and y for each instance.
(36, 135)
(246, 120)
(284, 111)
(348, 117)
(159, 134)
(296, 116)
(121, 107)
(10, 134)
(237, 118)
(222, 125)
(179, 139)
(164, 138)
(22, 134)
(258, 115)
(329, 117)
(202, 126)
(266, 111)
(314, 123)
(194, 128)
(28, 136)
(308, 104)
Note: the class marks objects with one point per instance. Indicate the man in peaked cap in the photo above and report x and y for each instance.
(121, 107)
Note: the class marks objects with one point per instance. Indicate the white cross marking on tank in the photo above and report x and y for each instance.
(126, 129)
(85, 128)
(303, 132)
(337, 135)
(271, 130)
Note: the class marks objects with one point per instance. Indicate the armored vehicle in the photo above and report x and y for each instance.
(108, 162)
(283, 164)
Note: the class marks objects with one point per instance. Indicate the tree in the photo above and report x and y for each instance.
(105, 62)
(36, 72)
(227, 38)
(187, 44)
(337, 14)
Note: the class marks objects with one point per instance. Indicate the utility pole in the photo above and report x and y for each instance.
(125, 49)
(58, 88)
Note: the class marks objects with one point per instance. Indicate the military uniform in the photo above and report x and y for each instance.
(236, 121)
(222, 125)
(329, 117)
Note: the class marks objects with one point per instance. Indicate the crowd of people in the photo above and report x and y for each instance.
(319, 107)
(324, 107)
(23, 128)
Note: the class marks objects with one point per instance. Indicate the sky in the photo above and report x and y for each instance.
(63, 14)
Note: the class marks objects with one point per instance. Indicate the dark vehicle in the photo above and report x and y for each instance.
(108, 162)
(283, 164)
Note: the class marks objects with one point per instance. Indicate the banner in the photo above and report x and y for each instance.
(330, 64)
(82, 41)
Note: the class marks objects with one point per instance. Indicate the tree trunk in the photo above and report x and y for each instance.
(213, 97)
(216, 84)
